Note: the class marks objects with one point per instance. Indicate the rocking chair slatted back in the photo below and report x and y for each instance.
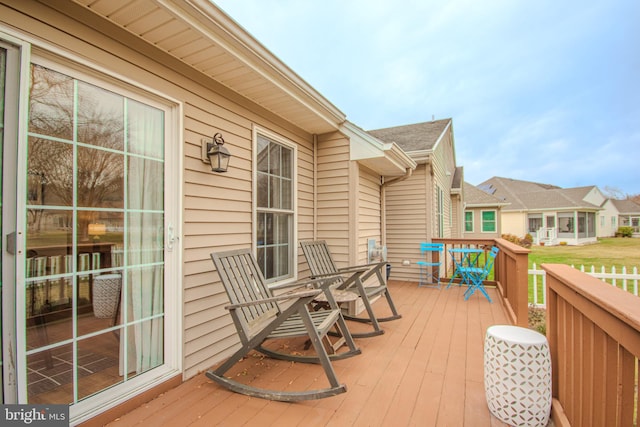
(319, 259)
(244, 283)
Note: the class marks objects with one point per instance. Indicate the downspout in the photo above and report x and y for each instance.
(383, 203)
(315, 187)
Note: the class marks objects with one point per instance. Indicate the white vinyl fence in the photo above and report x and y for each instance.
(621, 278)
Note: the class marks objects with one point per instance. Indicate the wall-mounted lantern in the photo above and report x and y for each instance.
(214, 153)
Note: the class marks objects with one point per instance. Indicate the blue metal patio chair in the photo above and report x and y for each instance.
(430, 265)
(463, 257)
(477, 275)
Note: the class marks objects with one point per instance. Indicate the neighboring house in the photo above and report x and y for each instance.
(482, 217)
(628, 215)
(609, 221)
(107, 108)
(552, 215)
(426, 204)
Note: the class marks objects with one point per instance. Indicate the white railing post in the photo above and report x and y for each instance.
(535, 286)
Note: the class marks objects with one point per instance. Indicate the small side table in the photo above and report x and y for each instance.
(517, 375)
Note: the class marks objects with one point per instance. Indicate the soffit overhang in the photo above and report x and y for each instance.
(202, 36)
(386, 159)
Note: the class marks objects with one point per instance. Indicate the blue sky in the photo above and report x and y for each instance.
(545, 91)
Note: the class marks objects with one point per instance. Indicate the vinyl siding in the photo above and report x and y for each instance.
(407, 204)
(514, 223)
(411, 209)
(334, 199)
(369, 212)
(216, 208)
(477, 224)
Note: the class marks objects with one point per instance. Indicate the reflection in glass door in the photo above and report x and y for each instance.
(94, 267)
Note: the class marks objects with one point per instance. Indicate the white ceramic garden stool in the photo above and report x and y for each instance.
(517, 375)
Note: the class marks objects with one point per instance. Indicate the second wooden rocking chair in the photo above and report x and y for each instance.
(351, 279)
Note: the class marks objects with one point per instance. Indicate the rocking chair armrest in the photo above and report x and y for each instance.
(352, 269)
(372, 265)
(306, 283)
(289, 295)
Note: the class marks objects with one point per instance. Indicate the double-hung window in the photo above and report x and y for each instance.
(275, 206)
(489, 222)
(468, 221)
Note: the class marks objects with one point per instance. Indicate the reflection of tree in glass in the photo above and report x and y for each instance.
(63, 111)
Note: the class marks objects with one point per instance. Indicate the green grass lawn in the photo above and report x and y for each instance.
(609, 252)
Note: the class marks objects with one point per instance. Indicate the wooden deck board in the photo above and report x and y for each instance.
(426, 369)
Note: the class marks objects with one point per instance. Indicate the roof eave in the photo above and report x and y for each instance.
(387, 159)
(214, 24)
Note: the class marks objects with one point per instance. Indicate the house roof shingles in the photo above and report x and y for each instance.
(415, 137)
(527, 195)
(627, 207)
(475, 197)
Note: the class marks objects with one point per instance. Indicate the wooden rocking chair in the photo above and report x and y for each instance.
(351, 279)
(257, 316)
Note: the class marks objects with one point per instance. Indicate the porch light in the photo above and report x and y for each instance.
(215, 154)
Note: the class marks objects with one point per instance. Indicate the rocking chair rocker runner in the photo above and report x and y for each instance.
(257, 316)
(351, 279)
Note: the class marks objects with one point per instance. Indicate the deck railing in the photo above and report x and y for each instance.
(509, 275)
(594, 337)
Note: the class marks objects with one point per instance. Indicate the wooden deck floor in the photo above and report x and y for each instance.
(426, 370)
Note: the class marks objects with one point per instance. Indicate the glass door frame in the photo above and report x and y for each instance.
(16, 111)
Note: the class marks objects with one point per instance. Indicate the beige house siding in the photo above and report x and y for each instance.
(445, 158)
(217, 208)
(335, 206)
(458, 212)
(477, 223)
(369, 211)
(407, 204)
(411, 209)
(514, 223)
(218, 216)
(348, 209)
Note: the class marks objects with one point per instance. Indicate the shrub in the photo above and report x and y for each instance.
(525, 242)
(625, 232)
(537, 319)
(511, 238)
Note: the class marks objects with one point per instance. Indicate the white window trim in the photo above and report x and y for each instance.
(495, 220)
(256, 129)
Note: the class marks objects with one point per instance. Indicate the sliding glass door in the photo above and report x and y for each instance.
(95, 219)
(90, 206)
